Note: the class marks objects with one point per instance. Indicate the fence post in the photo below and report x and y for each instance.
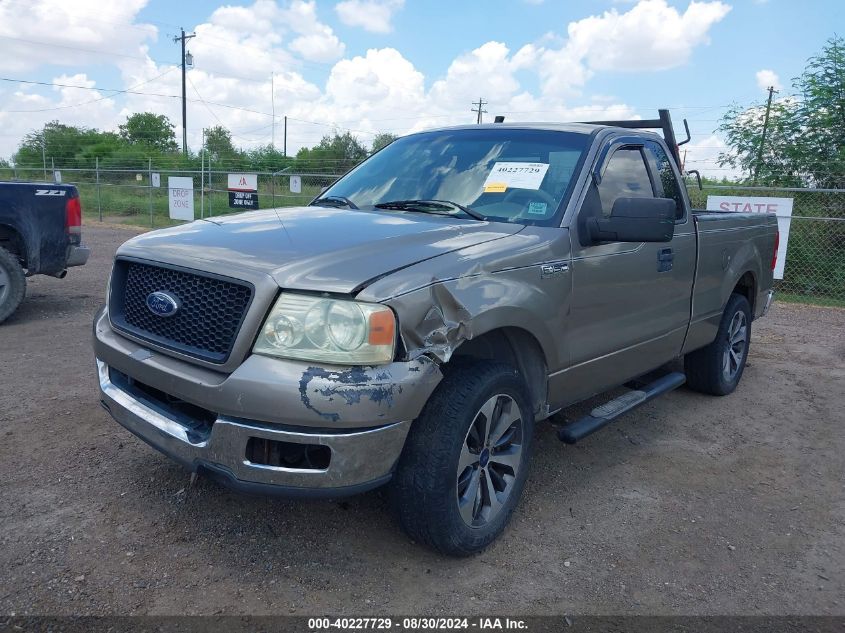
(150, 187)
(202, 179)
(99, 207)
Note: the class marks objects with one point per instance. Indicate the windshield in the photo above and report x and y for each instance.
(509, 175)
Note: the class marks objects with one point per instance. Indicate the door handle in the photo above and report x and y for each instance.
(665, 260)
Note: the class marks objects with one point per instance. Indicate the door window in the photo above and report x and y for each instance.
(626, 176)
(666, 179)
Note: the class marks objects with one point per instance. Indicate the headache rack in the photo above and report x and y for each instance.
(663, 122)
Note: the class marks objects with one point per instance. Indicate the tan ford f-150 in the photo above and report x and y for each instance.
(413, 323)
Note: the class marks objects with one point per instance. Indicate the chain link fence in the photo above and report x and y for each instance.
(815, 255)
(140, 196)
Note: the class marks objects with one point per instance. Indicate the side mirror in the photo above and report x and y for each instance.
(635, 220)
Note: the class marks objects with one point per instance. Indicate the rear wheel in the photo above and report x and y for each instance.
(12, 284)
(465, 461)
(717, 368)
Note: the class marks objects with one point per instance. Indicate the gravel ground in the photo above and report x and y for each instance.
(690, 505)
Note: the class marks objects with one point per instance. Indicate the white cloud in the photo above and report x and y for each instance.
(57, 32)
(766, 78)
(316, 41)
(703, 154)
(238, 47)
(371, 15)
(650, 36)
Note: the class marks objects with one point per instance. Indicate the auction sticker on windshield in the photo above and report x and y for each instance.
(507, 175)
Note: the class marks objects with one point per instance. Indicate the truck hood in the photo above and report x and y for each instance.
(314, 248)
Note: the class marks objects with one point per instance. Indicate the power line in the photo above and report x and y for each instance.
(76, 105)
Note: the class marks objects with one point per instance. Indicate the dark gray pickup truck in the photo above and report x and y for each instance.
(40, 234)
(415, 321)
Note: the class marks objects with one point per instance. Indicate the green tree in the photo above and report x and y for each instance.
(267, 158)
(805, 139)
(154, 131)
(218, 143)
(383, 139)
(335, 153)
(57, 143)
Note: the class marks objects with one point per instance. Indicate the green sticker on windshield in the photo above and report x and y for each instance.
(537, 208)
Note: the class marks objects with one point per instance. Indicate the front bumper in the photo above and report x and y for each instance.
(360, 460)
(361, 414)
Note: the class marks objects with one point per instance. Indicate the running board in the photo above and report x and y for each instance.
(603, 415)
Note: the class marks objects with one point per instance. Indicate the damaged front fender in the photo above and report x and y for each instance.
(336, 394)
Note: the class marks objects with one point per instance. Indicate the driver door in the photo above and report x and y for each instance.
(630, 301)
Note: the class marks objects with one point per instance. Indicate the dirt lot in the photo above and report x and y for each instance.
(691, 505)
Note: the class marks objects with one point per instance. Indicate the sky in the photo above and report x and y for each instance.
(399, 66)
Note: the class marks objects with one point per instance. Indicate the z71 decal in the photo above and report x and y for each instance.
(50, 192)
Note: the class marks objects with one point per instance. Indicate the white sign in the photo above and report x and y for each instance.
(506, 176)
(139, 177)
(782, 207)
(156, 180)
(57, 177)
(296, 184)
(243, 182)
(181, 195)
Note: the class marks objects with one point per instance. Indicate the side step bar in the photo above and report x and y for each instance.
(603, 415)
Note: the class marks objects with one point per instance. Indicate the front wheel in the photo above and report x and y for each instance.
(466, 458)
(717, 368)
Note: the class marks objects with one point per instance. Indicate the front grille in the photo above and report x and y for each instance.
(211, 308)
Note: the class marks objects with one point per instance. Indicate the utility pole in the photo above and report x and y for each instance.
(273, 108)
(763, 137)
(184, 38)
(477, 109)
(285, 146)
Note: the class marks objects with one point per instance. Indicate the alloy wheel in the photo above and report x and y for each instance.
(735, 349)
(490, 459)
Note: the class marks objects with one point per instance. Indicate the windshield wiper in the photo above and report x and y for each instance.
(424, 206)
(333, 201)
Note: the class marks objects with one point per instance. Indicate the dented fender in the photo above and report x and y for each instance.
(443, 303)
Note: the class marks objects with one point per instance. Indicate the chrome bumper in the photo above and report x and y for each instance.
(360, 460)
(770, 295)
(77, 256)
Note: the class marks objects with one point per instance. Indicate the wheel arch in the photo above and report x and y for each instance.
(517, 347)
(746, 286)
(12, 241)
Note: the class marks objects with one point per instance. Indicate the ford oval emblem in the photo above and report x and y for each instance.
(162, 304)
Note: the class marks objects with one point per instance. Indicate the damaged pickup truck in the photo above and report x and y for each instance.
(413, 323)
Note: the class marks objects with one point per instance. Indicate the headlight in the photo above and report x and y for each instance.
(331, 330)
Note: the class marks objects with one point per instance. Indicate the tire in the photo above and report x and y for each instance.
(717, 368)
(12, 284)
(456, 513)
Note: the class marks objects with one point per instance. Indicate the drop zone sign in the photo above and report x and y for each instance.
(782, 207)
(180, 193)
